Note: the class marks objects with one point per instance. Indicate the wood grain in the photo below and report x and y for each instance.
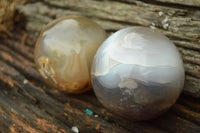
(178, 20)
(28, 104)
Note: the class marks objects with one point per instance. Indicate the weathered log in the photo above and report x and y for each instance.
(27, 104)
(192, 3)
(180, 21)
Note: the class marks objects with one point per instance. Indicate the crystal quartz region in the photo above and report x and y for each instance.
(137, 73)
(64, 52)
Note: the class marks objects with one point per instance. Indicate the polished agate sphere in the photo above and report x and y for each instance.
(64, 52)
(137, 73)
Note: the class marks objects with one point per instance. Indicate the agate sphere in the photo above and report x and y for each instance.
(64, 52)
(137, 73)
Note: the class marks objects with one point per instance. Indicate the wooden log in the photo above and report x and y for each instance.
(178, 20)
(27, 104)
(192, 3)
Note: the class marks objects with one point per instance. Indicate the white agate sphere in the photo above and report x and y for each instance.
(137, 73)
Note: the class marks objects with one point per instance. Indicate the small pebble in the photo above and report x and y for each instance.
(152, 27)
(153, 24)
(165, 22)
(75, 129)
(25, 81)
(160, 13)
(96, 116)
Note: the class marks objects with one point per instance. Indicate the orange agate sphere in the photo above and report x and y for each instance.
(64, 52)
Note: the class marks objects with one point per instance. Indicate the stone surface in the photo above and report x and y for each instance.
(138, 73)
(64, 52)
